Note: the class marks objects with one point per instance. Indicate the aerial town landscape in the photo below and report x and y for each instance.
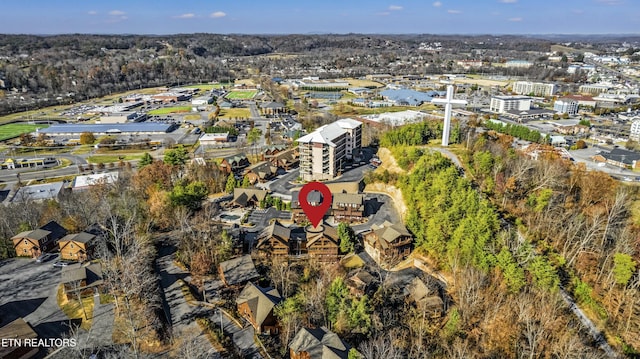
(484, 189)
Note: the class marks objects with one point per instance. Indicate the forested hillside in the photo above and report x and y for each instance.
(514, 233)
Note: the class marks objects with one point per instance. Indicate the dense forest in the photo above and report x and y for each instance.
(524, 232)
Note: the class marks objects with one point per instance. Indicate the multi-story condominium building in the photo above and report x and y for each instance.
(634, 134)
(566, 105)
(593, 89)
(502, 104)
(324, 151)
(534, 88)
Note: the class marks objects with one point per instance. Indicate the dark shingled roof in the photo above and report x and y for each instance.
(242, 196)
(260, 300)
(319, 343)
(275, 230)
(82, 237)
(239, 270)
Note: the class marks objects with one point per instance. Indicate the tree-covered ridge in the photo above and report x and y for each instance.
(418, 134)
(519, 131)
(449, 219)
(580, 221)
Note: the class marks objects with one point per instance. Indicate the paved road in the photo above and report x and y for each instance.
(182, 316)
(595, 333)
(382, 207)
(28, 289)
(242, 337)
(100, 334)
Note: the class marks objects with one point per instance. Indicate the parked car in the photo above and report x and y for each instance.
(45, 257)
(60, 264)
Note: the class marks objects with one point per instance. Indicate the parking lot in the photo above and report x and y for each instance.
(28, 289)
(261, 217)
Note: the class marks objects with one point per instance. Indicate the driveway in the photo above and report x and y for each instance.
(181, 315)
(382, 208)
(28, 289)
(242, 337)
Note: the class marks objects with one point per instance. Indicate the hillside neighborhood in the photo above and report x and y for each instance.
(483, 204)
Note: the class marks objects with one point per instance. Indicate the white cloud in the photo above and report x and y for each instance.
(515, 19)
(217, 14)
(395, 8)
(92, 12)
(454, 11)
(385, 13)
(186, 16)
(578, 11)
(508, 1)
(117, 13)
(437, 4)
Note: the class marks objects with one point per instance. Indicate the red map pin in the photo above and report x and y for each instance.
(315, 213)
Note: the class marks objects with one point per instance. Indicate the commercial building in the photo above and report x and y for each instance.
(122, 117)
(566, 105)
(213, 139)
(107, 129)
(324, 151)
(502, 104)
(634, 134)
(533, 88)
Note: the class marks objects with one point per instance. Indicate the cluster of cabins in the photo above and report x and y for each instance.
(53, 237)
(273, 159)
(387, 243)
(256, 304)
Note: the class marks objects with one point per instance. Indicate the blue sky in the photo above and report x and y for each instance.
(324, 16)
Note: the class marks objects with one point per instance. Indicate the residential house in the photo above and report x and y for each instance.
(270, 151)
(345, 207)
(18, 330)
(318, 343)
(77, 246)
(274, 240)
(81, 277)
(298, 216)
(360, 283)
(423, 298)
(261, 172)
(285, 159)
(348, 207)
(256, 305)
(248, 197)
(237, 271)
(388, 242)
(322, 242)
(36, 242)
(235, 163)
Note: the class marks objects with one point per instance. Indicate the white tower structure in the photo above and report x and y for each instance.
(447, 102)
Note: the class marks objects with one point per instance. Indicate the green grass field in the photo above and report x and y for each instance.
(235, 113)
(113, 158)
(168, 110)
(13, 130)
(241, 95)
(209, 86)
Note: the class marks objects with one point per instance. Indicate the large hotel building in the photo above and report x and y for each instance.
(323, 152)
